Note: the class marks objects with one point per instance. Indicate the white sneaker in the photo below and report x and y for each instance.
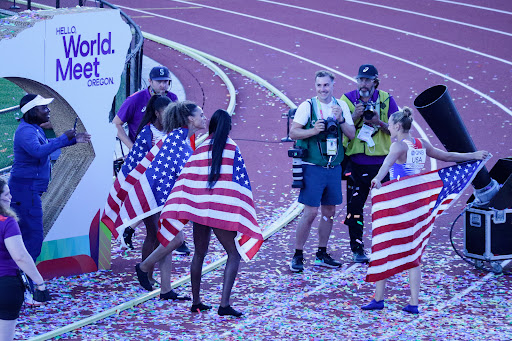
(29, 300)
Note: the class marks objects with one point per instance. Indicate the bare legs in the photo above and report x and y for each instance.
(414, 283)
(162, 255)
(151, 241)
(7, 329)
(324, 228)
(202, 236)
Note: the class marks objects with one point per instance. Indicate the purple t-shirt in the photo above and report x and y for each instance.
(364, 159)
(133, 109)
(8, 228)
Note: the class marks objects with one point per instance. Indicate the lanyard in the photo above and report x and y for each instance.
(319, 106)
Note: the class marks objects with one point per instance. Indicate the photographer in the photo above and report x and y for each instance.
(370, 110)
(318, 127)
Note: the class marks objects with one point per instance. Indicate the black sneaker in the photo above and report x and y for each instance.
(127, 236)
(183, 249)
(297, 264)
(324, 259)
(360, 257)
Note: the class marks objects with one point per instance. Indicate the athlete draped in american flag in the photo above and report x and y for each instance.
(404, 209)
(214, 192)
(147, 186)
(149, 133)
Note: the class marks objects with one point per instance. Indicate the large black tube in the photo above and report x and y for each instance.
(436, 106)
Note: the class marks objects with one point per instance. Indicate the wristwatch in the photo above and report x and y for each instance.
(344, 120)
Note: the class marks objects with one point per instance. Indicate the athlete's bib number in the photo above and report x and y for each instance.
(416, 158)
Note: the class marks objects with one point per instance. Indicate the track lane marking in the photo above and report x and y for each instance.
(432, 17)
(475, 6)
(411, 63)
(440, 307)
(407, 33)
(290, 303)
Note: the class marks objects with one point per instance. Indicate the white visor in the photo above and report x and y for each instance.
(38, 100)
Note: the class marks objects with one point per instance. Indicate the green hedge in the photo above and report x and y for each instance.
(10, 95)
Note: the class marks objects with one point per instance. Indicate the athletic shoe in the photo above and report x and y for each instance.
(324, 259)
(127, 236)
(412, 309)
(223, 311)
(195, 308)
(183, 249)
(173, 295)
(29, 300)
(374, 305)
(297, 263)
(360, 257)
(143, 278)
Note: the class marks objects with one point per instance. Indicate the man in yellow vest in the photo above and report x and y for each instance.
(370, 110)
(319, 126)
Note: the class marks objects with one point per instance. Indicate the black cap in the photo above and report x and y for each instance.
(160, 73)
(367, 71)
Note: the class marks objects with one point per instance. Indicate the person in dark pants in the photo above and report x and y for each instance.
(30, 173)
(370, 109)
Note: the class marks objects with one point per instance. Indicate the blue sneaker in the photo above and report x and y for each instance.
(411, 309)
(374, 305)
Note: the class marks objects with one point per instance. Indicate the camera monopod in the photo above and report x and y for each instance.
(289, 115)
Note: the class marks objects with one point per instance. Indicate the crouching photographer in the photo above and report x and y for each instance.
(318, 126)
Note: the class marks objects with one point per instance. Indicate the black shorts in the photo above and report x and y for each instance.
(11, 297)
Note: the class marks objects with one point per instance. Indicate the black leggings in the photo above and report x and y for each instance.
(11, 297)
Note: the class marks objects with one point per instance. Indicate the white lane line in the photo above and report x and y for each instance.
(475, 6)
(437, 310)
(443, 76)
(432, 17)
(294, 301)
(407, 33)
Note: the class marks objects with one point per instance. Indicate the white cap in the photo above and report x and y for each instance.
(38, 100)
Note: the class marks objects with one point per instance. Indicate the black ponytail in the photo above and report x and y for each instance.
(220, 125)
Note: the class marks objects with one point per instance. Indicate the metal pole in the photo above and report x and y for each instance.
(14, 6)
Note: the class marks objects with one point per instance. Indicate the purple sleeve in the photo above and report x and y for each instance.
(393, 107)
(125, 113)
(10, 228)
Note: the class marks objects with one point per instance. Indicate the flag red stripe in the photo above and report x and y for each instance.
(405, 208)
(388, 273)
(417, 188)
(216, 191)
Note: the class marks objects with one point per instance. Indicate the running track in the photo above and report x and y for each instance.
(414, 45)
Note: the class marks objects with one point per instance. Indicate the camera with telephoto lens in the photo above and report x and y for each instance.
(368, 113)
(331, 126)
(297, 154)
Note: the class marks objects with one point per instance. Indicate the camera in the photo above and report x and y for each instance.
(297, 154)
(368, 110)
(331, 126)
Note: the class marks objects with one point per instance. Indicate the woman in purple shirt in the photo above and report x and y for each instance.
(13, 257)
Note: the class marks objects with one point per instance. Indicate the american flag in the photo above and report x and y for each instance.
(403, 214)
(145, 188)
(228, 206)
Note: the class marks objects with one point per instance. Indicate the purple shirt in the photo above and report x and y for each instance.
(8, 228)
(363, 159)
(133, 109)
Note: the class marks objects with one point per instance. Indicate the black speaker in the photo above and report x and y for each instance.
(436, 106)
